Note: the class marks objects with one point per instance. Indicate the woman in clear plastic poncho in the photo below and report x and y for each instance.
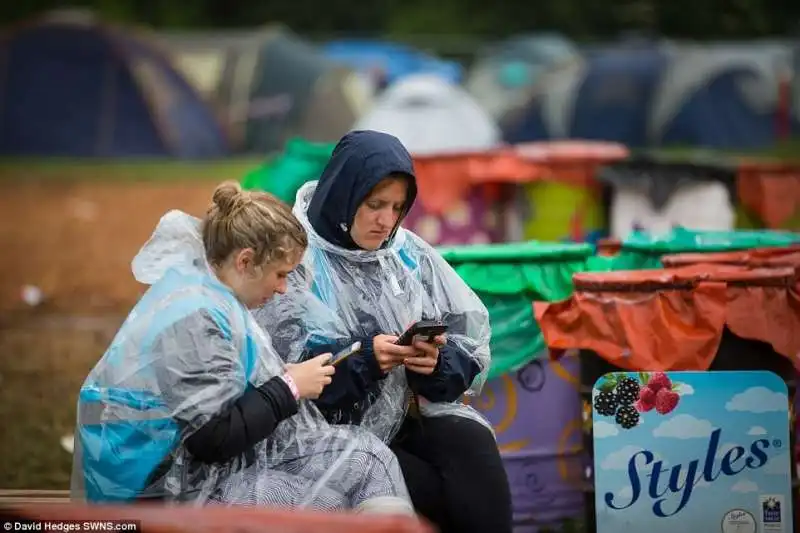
(191, 403)
(364, 278)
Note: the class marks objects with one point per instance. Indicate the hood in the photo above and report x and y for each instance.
(359, 161)
(176, 243)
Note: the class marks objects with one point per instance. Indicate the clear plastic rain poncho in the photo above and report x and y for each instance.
(338, 294)
(185, 353)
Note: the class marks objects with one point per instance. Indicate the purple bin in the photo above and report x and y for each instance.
(537, 416)
(472, 220)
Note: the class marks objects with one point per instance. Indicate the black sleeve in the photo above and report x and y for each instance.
(203, 383)
(453, 375)
(251, 419)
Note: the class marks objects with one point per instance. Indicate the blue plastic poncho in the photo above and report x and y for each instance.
(339, 294)
(186, 352)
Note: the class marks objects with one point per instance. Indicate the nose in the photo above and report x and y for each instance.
(281, 288)
(387, 218)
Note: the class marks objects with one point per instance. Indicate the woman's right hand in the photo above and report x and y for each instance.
(312, 376)
(388, 354)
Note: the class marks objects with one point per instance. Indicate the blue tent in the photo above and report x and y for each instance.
(607, 99)
(722, 98)
(76, 88)
(396, 60)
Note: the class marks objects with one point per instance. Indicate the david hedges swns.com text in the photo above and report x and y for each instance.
(72, 525)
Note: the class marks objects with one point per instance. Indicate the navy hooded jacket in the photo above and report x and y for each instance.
(359, 162)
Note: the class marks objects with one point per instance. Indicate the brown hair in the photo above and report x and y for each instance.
(239, 219)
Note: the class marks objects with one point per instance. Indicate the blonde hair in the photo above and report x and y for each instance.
(239, 219)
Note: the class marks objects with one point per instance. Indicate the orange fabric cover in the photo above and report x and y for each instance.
(673, 319)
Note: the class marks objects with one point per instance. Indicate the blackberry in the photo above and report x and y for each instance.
(606, 403)
(627, 417)
(627, 391)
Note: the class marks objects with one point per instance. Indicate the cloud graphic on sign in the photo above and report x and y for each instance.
(684, 389)
(757, 430)
(758, 400)
(745, 486)
(602, 429)
(684, 427)
(623, 496)
(619, 459)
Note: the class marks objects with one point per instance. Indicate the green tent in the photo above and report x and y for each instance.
(301, 161)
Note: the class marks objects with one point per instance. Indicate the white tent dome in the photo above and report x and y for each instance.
(430, 115)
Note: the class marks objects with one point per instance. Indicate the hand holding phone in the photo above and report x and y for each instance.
(347, 352)
(424, 330)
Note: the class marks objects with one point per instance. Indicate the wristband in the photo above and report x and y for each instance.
(289, 380)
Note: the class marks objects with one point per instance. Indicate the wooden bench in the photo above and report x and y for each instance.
(25, 496)
(217, 519)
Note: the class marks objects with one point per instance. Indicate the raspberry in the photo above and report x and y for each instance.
(666, 401)
(606, 403)
(658, 381)
(627, 417)
(642, 406)
(647, 396)
(627, 391)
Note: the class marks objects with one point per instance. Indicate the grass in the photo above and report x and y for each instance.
(122, 170)
(41, 370)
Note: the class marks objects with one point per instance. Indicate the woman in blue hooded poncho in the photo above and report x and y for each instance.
(191, 403)
(364, 278)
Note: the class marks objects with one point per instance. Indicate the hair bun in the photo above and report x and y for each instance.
(227, 196)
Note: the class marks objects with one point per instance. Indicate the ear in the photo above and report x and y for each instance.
(245, 260)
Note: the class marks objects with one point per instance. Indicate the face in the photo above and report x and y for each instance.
(253, 284)
(379, 212)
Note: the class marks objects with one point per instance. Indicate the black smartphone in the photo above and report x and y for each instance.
(347, 352)
(425, 329)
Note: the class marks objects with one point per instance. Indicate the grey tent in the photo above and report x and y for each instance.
(271, 85)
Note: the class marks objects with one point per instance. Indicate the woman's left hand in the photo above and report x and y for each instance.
(427, 356)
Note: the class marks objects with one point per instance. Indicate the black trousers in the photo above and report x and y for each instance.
(455, 475)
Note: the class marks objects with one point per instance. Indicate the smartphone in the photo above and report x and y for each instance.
(425, 329)
(347, 352)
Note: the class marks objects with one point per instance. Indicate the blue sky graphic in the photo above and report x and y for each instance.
(746, 405)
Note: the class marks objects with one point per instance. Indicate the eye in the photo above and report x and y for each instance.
(374, 205)
(399, 208)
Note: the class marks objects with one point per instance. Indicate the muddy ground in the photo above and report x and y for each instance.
(74, 241)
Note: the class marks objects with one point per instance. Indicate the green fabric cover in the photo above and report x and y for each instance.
(508, 278)
(643, 251)
(301, 161)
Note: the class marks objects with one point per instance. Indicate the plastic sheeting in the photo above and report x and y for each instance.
(674, 319)
(338, 294)
(185, 353)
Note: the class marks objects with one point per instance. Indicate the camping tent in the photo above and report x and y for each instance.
(606, 99)
(72, 86)
(395, 61)
(430, 115)
(275, 86)
(504, 72)
(723, 97)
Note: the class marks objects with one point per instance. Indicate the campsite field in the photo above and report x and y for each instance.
(71, 230)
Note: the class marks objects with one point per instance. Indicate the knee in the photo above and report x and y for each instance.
(461, 429)
(370, 450)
